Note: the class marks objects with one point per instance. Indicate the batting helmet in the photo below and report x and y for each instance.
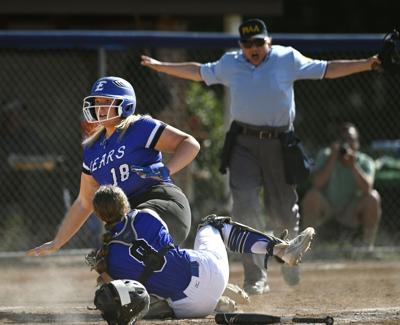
(122, 302)
(121, 93)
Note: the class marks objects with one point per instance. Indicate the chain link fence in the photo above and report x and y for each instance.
(42, 88)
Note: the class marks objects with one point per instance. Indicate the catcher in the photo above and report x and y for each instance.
(138, 246)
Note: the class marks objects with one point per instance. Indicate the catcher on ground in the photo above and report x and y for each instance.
(138, 246)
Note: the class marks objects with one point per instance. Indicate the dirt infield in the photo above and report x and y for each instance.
(57, 290)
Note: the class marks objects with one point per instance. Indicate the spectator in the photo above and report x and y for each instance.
(342, 188)
(260, 77)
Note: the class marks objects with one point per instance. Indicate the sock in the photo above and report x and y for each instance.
(241, 240)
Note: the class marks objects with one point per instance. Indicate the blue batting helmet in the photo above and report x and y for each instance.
(118, 90)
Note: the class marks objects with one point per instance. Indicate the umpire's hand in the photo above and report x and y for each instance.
(150, 62)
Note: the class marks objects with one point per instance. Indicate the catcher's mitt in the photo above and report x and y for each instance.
(389, 55)
(96, 260)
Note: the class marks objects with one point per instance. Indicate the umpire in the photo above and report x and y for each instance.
(260, 77)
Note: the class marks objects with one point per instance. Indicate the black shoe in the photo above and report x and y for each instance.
(256, 288)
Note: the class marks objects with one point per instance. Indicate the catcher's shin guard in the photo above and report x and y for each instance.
(241, 237)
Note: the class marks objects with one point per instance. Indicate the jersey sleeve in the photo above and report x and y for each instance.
(307, 68)
(85, 165)
(85, 169)
(149, 130)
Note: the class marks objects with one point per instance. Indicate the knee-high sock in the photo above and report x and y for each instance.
(244, 240)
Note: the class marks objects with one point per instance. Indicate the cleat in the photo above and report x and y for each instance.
(284, 235)
(237, 294)
(292, 251)
(225, 305)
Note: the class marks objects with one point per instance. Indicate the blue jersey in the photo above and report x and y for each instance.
(142, 231)
(109, 160)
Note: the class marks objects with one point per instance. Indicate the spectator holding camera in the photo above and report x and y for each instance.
(342, 188)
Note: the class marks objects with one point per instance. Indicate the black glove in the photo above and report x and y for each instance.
(389, 54)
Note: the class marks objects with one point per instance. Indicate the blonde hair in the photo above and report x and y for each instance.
(122, 126)
(110, 203)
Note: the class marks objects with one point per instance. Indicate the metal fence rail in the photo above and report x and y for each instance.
(45, 75)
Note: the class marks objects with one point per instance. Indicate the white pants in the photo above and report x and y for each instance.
(204, 291)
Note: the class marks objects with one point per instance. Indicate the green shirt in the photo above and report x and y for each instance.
(342, 187)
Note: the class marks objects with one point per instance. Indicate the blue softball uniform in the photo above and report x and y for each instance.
(190, 280)
(109, 160)
(143, 231)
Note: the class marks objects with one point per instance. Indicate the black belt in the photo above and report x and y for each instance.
(262, 134)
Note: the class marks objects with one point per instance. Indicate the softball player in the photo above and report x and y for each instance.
(126, 150)
(140, 247)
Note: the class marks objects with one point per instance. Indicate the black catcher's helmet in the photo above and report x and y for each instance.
(122, 302)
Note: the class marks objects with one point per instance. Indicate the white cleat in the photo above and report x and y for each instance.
(292, 251)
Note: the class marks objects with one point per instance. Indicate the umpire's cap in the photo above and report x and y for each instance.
(252, 28)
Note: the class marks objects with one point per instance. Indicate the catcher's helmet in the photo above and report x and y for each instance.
(118, 90)
(122, 302)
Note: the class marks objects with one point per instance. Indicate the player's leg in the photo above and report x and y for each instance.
(206, 288)
(244, 239)
(209, 260)
(172, 205)
(208, 238)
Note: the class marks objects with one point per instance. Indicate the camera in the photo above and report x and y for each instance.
(344, 149)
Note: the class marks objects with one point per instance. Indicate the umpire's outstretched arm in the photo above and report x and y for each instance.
(185, 70)
(342, 68)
